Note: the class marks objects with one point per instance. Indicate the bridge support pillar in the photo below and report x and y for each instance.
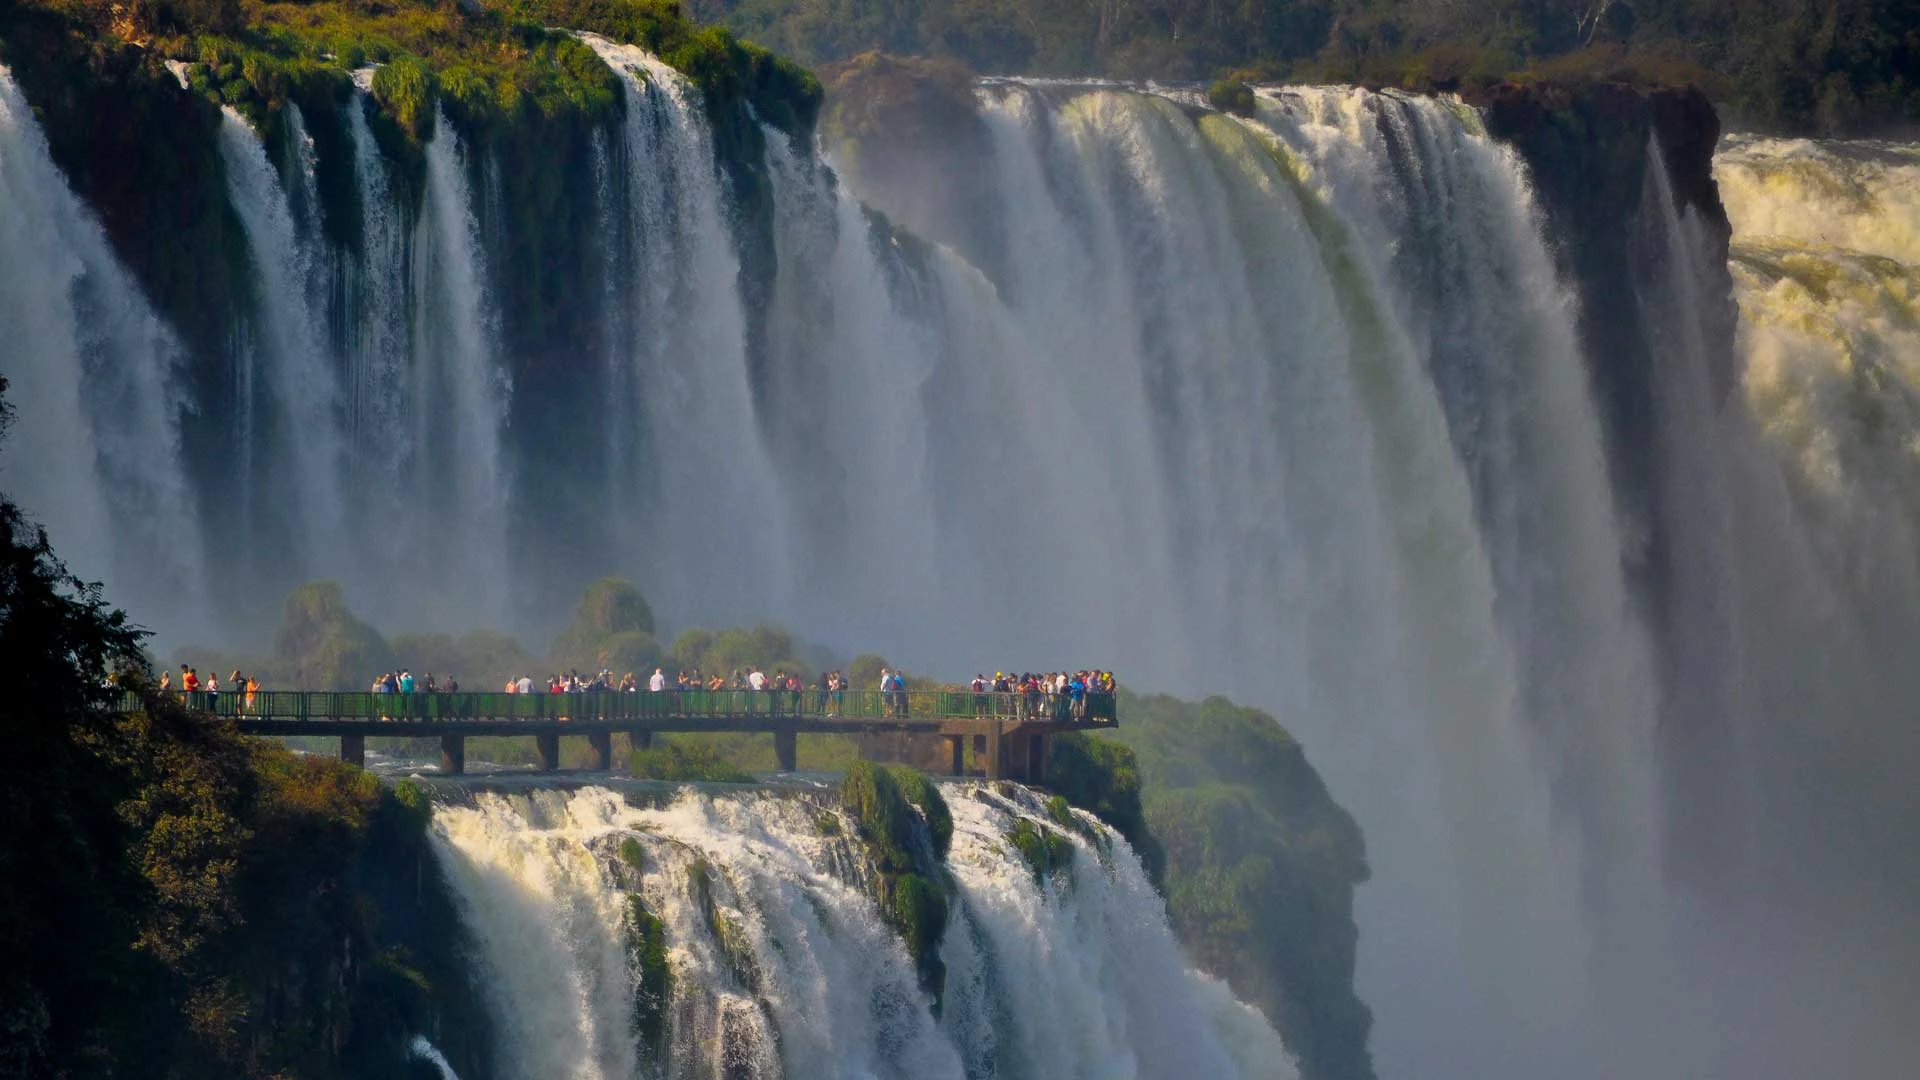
(546, 752)
(642, 740)
(599, 750)
(1036, 763)
(996, 754)
(353, 750)
(453, 754)
(957, 746)
(786, 747)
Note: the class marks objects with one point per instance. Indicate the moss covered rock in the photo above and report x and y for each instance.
(911, 885)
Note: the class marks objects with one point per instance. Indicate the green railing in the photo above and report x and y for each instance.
(640, 708)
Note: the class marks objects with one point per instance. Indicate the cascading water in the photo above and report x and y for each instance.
(1288, 407)
(684, 480)
(458, 397)
(94, 448)
(290, 390)
(781, 964)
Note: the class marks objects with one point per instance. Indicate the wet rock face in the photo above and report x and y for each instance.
(1587, 148)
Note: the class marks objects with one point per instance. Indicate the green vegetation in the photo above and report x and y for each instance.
(178, 900)
(727, 932)
(886, 820)
(678, 762)
(1829, 66)
(1045, 851)
(321, 645)
(923, 794)
(911, 888)
(612, 629)
(490, 63)
(1257, 861)
(652, 974)
(1231, 95)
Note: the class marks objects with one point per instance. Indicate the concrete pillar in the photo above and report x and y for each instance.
(1036, 763)
(786, 747)
(958, 745)
(453, 754)
(996, 754)
(353, 750)
(599, 750)
(546, 751)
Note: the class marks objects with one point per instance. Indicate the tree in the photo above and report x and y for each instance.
(65, 940)
(323, 645)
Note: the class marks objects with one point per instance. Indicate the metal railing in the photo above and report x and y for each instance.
(612, 706)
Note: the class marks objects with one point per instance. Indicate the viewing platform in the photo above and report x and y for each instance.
(1009, 732)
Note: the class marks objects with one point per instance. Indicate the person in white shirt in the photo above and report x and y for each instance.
(657, 682)
(757, 680)
(526, 684)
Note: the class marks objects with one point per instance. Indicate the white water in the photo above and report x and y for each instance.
(425, 1051)
(94, 449)
(1076, 977)
(292, 395)
(685, 482)
(1289, 409)
(457, 400)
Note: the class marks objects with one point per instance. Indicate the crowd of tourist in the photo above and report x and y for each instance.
(207, 690)
(1057, 695)
(1061, 695)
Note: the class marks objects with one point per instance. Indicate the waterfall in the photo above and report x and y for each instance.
(93, 452)
(421, 1049)
(781, 964)
(457, 399)
(1290, 407)
(686, 482)
(293, 394)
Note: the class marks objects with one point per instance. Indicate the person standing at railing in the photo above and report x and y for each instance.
(213, 693)
(166, 681)
(657, 682)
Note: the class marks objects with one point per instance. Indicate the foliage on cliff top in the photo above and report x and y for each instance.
(1806, 65)
(1257, 861)
(489, 62)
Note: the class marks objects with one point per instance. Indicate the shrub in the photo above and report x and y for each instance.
(922, 792)
(1231, 95)
(1045, 851)
(885, 821)
(405, 88)
(689, 764)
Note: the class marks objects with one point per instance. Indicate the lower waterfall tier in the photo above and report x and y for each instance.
(739, 935)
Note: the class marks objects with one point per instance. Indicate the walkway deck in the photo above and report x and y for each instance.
(1009, 732)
